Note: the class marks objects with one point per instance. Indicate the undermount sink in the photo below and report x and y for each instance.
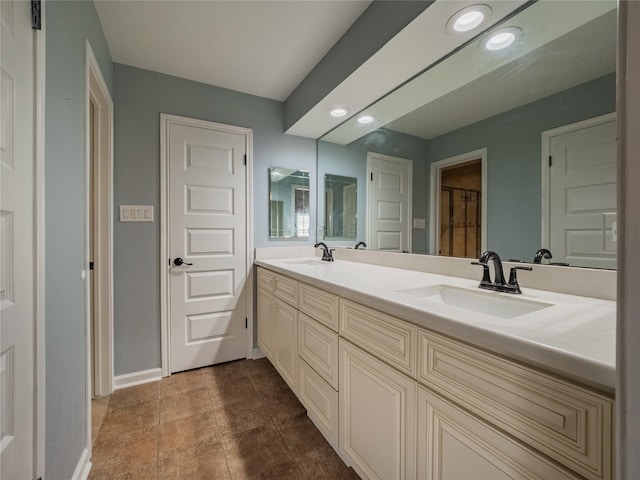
(305, 262)
(489, 303)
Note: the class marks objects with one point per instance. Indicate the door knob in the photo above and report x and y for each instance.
(179, 261)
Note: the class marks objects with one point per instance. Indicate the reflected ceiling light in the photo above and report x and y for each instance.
(365, 119)
(338, 112)
(468, 18)
(501, 38)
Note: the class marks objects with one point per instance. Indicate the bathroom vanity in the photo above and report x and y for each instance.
(414, 375)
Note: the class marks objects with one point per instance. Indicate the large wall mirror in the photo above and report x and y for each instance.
(289, 211)
(512, 149)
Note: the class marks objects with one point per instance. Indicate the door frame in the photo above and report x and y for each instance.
(165, 121)
(40, 249)
(388, 158)
(434, 195)
(101, 340)
(546, 137)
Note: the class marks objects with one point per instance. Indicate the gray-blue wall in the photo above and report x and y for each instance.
(140, 96)
(514, 170)
(351, 161)
(67, 24)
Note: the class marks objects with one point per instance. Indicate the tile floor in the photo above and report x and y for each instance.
(237, 420)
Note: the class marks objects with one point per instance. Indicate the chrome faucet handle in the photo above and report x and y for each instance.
(486, 277)
(513, 286)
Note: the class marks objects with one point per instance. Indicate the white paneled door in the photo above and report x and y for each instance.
(389, 203)
(17, 312)
(207, 243)
(582, 208)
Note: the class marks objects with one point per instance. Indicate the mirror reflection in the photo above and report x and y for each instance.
(289, 212)
(340, 207)
(551, 94)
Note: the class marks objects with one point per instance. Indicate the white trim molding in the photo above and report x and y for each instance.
(40, 293)
(137, 378)
(83, 467)
(434, 198)
(547, 137)
(165, 338)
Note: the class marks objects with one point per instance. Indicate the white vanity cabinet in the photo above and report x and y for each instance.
(277, 323)
(318, 351)
(401, 402)
(377, 416)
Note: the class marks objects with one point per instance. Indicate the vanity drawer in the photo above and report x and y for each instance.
(285, 289)
(319, 305)
(386, 337)
(266, 279)
(319, 347)
(569, 423)
(320, 400)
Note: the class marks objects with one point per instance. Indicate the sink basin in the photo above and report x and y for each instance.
(489, 303)
(305, 262)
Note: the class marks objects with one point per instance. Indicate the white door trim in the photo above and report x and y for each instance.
(96, 90)
(40, 293)
(434, 198)
(547, 137)
(371, 156)
(165, 121)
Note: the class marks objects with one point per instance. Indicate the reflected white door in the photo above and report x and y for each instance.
(17, 243)
(582, 207)
(207, 229)
(389, 203)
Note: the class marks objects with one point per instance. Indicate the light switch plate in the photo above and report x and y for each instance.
(136, 213)
(419, 223)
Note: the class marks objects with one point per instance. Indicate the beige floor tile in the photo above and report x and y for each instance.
(128, 456)
(282, 403)
(184, 433)
(259, 366)
(127, 420)
(285, 471)
(266, 382)
(231, 390)
(324, 464)
(204, 461)
(181, 382)
(244, 415)
(255, 451)
(184, 404)
(300, 434)
(98, 411)
(132, 395)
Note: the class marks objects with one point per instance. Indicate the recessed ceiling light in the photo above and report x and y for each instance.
(468, 18)
(501, 38)
(338, 112)
(365, 119)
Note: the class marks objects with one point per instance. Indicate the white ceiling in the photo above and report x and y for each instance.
(263, 48)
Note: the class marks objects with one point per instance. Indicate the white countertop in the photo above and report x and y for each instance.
(574, 337)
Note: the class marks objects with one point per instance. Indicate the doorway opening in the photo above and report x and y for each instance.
(458, 205)
(460, 210)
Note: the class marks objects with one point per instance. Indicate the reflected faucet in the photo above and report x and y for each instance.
(540, 254)
(364, 245)
(327, 256)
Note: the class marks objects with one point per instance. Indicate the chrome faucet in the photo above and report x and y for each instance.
(362, 244)
(499, 284)
(540, 254)
(327, 256)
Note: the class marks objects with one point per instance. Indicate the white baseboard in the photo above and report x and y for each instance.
(83, 468)
(137, 378)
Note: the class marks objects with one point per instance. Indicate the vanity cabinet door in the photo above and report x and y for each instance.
(377, 416)
(454, 445)
(265, 324)
(286, 351)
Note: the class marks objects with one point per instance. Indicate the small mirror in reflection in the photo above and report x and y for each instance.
(341, 205)
(289, 212)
